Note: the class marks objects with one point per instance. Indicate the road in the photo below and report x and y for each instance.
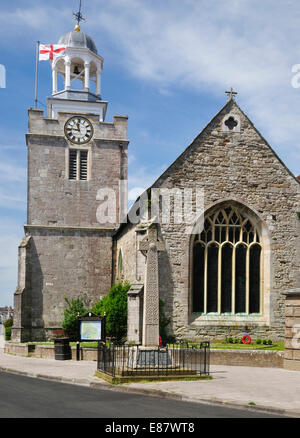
(25, 397)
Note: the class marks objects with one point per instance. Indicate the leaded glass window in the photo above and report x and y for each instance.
(227, 265)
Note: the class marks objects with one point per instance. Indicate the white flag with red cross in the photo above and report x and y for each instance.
(50, 51)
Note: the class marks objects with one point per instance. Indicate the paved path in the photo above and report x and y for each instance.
(2, 341)
(268, 387)
(272, 389)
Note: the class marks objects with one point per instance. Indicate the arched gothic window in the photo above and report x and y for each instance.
(227, 265)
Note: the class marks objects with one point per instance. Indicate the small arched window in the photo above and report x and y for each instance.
(120, 266)
(227, 265)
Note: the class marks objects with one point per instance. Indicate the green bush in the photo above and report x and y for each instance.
(7, 328)
(8, 323)
(8, 333)
(115, 307)
(269, 342)
(69, 324)
(230, 340)
(264, 341)
(258, 341)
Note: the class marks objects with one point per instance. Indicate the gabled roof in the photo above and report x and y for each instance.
(225, 109)
(230, 104)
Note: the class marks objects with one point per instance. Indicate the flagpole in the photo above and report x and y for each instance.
(36, 73)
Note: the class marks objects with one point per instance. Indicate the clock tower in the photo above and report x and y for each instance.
(76, 161)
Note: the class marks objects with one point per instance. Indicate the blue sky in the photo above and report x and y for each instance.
(166, 66)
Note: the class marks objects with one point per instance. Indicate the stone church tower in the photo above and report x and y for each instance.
(72, 154)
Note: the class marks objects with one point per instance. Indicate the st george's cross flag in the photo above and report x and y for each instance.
(50, 51)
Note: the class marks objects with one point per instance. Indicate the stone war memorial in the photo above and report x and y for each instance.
(216, 237)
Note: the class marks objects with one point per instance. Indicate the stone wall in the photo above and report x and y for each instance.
(235, 167)
(63, 263)
(292, 330)
(47, 351)
(263, 359)
(134, 262)
(268, 359)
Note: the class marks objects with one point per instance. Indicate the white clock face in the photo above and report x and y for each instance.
(78, 130)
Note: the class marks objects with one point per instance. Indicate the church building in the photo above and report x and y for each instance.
(222, 275)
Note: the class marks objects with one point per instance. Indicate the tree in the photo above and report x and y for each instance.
(69, 324)
(8, 327)
(115, 307)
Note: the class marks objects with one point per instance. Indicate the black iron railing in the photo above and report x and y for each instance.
(134, 360)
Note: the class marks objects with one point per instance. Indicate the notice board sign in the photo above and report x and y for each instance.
(91, 328)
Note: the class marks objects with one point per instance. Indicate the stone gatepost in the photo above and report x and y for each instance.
(292, 330)
(135, 314)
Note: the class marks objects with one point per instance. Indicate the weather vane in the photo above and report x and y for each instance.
(78, 16)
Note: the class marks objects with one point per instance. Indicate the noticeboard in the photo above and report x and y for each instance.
(91, 328)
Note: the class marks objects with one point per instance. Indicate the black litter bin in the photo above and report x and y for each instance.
(62, 349)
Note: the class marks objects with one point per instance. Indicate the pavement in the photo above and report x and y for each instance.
(270, 390)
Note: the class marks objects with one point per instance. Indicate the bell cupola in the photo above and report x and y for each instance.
(79, 68)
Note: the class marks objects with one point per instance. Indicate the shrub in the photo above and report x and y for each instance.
(7, 328)
(264, 341)
(230, 340)
(269, 342)
(69, 324)
(8, 333)
(258, 341)
(115, 307)
(8, 323)
(235, 340)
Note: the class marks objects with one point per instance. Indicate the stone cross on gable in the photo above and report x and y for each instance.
(151, 245)
(231, 94)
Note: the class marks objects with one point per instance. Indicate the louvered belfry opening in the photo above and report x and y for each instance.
(227, 260)
(73, 164)
(78, 164)
(83, 165)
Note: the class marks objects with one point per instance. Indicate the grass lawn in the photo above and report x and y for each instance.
(72, 344)
(276, 346)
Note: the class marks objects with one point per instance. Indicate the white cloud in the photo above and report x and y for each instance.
(141, 178)
(11, 235)
(12, 184)
(32, 19)
(209, 46)
(12, 173)
(197, 45)
(135, 192)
